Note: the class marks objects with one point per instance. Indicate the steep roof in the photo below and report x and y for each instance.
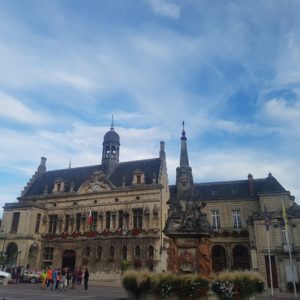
(77, 176)
(238, 189)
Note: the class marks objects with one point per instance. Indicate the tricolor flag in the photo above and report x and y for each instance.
(90, 218)
(267, 217)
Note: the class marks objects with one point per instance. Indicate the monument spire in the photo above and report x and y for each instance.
(184, 160)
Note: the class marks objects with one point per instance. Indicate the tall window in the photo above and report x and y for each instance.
(138, 179)
(137, 252)
(95, 220)
(108, 214)
(237, 224)
(99, 252)
(120, 214)
(15, 222)
(78, 220)
(112, 252)
(52, 223)
(215, 219)
(138, 218)
(48, 253)
(124, 252)
(67, 223)
(38, 222)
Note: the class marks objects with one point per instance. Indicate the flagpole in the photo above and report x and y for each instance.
(267, 225)
(270, 266)
(287, 236)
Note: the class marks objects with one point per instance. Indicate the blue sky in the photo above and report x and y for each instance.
(230, 69)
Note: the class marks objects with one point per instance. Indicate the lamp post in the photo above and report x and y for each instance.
(3, 246)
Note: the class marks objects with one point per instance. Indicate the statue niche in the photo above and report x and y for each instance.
(97, 183)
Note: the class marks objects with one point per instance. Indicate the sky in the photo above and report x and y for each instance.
(230, 69)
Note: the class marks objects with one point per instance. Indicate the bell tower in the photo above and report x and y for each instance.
(111, 150)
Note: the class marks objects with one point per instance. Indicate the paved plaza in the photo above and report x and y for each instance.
(97, 290)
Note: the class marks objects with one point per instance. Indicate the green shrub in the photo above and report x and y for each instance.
(136, 282)
(241, 284)
(124, 264)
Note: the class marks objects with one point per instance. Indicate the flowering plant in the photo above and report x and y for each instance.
(224, 289)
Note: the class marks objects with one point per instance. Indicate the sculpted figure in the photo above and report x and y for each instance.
(205, 266)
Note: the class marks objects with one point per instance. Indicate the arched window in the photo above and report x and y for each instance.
(137, 252)
(113, 151)
(241, 258)
(12, 254)
(99, 252)
(219, 260)
(124, 253)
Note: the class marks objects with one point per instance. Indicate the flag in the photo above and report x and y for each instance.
(284, 217)
(90, 218)
(267, 217)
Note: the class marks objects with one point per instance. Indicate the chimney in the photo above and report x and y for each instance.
(162, 154)
(251, 184)
(42, 167)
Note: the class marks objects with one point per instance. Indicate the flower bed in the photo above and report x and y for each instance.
(226, 286)
(237, 285)
(163, 286)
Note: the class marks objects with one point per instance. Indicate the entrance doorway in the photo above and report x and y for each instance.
(273, 270)
(69, 259)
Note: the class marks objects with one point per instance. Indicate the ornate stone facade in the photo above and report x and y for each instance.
(96, 216)
(132, 205)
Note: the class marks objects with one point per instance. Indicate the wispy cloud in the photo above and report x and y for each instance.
(165, 8)
(15, 110)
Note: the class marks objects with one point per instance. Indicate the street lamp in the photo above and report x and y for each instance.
(4, 238)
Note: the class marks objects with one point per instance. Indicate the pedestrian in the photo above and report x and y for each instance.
(86, 278)
(57, 279)
(63, 279)
(54, 279)
(44, 279)
(49, 277)
(79, 277)
(69, 276)
(74, 278)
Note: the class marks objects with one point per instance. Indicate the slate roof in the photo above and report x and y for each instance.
(77, 176)
(226, 190)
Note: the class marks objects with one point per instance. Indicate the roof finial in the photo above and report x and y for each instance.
(112, 122)
(183, 131)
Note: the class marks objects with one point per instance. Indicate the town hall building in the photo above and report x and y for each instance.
(118, 214)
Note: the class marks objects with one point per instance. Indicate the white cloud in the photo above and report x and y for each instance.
(14, 109)
(165, 8)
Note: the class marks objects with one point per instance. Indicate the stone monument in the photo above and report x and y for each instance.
(187, 226)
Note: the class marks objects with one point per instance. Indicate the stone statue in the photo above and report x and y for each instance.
(205, 266)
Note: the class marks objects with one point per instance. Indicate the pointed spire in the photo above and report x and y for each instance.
(183, 132)
(70, 163)
(112, 123)
(184, 160)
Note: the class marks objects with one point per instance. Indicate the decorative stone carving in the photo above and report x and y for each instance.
(97, 183)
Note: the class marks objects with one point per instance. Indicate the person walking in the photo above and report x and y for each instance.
(63, 279)
(44, 279)
(79, 277)
(54, 279)
(49, 277)
(86, 278)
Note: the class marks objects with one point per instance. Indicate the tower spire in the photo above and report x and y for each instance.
(184, 160)
(112, 123)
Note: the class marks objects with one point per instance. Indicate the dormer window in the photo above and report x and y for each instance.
(138, 177)
(59, 185)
